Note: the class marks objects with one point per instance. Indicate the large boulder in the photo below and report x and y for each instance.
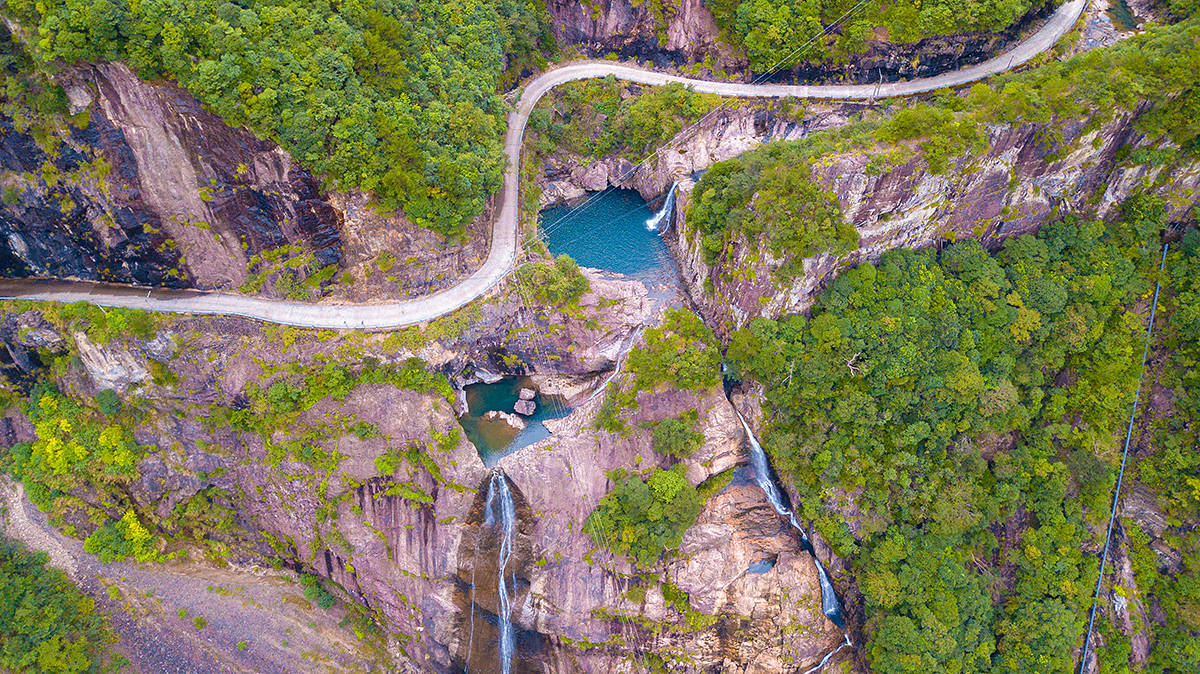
(110, 366)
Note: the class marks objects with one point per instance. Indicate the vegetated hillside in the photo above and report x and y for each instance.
(108, 177)
(401, 98)
(764, 231)
(874, 40)
(50, 625)
(155, 438)
(780, 33)
(953, 421)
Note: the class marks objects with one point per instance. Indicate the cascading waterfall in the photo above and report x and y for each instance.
(831, 606)
(499, 510)
(664, 214)
(762, 475)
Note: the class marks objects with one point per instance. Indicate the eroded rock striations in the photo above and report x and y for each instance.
(153, 189)
(681, 31)
(677, 32)
(1026, 177)
(410, 543)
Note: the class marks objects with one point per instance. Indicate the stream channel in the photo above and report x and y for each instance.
(618, 233)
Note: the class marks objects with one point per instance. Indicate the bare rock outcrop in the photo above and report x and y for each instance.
(110, 366)
(157, 190)
(741, 565)
(726, 134)
(676, 31)
(1014, 187)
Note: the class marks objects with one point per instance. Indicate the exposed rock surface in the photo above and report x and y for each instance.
(726, 134)
(159, 191)
(677, 32)
(415, 548)
(113, 367)
(684, 31)
(1024, 179)
(570, 596)
(510, 419)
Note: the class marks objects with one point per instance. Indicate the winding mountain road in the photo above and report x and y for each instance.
(503, 252)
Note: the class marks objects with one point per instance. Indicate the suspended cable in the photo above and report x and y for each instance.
(1116, 499)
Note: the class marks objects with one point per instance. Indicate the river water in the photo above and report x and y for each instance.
(613, 231)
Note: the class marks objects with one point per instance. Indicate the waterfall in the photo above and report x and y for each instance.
(622, 351)
(831, 606)
(499, 510)
(663, 215)
(762, 475)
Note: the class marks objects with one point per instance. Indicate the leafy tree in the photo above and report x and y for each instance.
(49, 625)
(122, 539)
(108, 402)
(682, 351)
(555, 283)
(926, 610)
(398, 97)
(676, 437)
(643, 518)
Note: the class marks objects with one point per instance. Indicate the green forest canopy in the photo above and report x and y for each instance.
(957, 392)
(772, 32)
(48, 624)
(771, 195)
(398, 97)
(644, 516)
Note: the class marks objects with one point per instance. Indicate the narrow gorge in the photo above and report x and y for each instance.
(601, 337)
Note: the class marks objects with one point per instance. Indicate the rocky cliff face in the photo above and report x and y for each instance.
(426, 565)
(676, 31)
(754, 597)
(680, 32)
(154, 189)
(727, 133)
(1024, 178)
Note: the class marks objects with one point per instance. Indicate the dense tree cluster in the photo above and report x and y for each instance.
(642, 517)
(48, 624)
(399, 97)
(1170, 466)
(952, 392)
(677, 436)
(594, 118)
(682, 352)
(770, 198)
(554, 282)
(769, 195)
(75, 446)
(782, 33)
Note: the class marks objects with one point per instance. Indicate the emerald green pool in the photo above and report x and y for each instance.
(610, 230)
(494, 438)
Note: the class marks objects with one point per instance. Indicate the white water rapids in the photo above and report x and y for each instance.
(656, 221)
